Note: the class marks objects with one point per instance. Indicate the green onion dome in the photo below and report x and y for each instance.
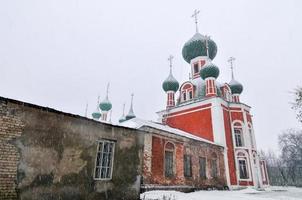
(210, 70)
(96, 115)
(105, 105)
(236, 87)
(196, 46)
(170, 84)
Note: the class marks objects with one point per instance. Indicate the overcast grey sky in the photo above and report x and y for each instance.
(61, 54)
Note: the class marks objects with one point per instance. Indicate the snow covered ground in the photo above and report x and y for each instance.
(271, 193)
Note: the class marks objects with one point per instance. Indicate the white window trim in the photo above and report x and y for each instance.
(251, 136)
(242, 132)
(246, 158)
(113, 150)
(174, 159)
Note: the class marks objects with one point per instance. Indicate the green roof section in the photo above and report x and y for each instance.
(236, 87)
(105, 105)
(170, 84)
(196, 46)
(210, 70)
(96, 115)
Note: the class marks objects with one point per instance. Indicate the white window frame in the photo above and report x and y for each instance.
(112, 158)
(248, 167)
(173, 161)
(240, 127)
(251, 136)
(238, 134)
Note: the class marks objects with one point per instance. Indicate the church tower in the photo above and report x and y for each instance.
(213, 111)
(170, 86)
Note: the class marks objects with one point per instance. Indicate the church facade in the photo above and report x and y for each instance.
(210, 110)
(213, 111)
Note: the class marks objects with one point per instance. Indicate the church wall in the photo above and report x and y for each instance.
(183, 146)
(47, 154)
(230, 147)
(198, 122)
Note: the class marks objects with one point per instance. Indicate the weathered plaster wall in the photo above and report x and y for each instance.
(53, 156)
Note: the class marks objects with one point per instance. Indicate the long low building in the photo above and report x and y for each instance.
(49, 154)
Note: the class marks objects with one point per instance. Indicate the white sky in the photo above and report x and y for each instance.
(61, 54)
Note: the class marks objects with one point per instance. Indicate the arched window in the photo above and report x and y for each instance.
(214, 166)
(238, 134)
(243, 165)
(169, 161)
(251, 136)
(186, 91)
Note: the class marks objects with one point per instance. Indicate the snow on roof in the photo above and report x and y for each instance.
(137, 123)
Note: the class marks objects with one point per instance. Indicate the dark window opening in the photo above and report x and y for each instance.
(168, 163)
(187, 166)
(196, 69)
(184, 96)
(191, 95)
(202, 168)
(238, 138)
(214, 171)
(243, 169)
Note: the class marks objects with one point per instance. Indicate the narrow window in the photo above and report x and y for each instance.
(196, 69)
(243, 169)
(187, 166)
(191, 95)
(202, 168)
(169, 163)
(184, 96)
(104, 160)
(238, 138)
(214, 168)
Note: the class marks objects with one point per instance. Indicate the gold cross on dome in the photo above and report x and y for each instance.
(195, 15)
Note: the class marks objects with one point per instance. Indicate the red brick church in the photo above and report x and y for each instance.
(209, 112)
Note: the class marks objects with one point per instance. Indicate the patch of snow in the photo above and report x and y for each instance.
(271, 193)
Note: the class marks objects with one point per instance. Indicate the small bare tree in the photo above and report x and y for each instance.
(297, 105)
(290, 143)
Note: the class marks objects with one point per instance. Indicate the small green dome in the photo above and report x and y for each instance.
(96, 115)
(210, 70)
(105, 105)
(196, 46)
(170, 84)
(236, 87)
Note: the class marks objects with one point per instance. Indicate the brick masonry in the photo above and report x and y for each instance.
(10, 129)
(155, 176)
